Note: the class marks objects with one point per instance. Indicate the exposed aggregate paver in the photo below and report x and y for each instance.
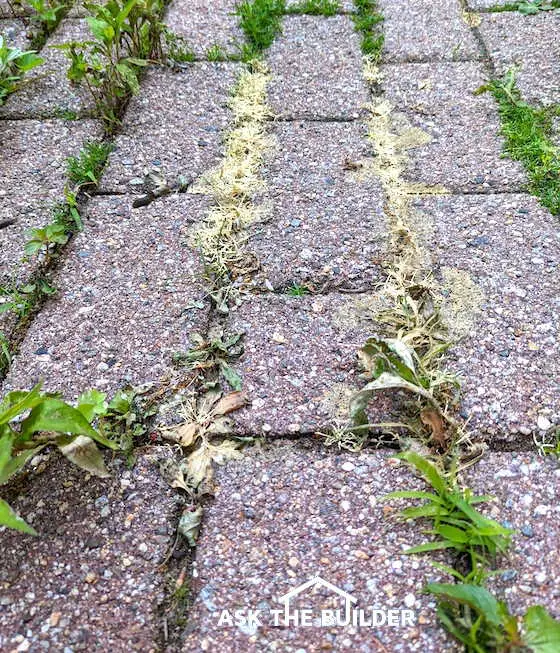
(529, 44)
(125, 300)
(421, 30)
(316, 69)
(15, 33)
(527, 491)
(32, 178)
(287, 514)
(90, 581)
(324, 224)
(153, 138)
(299, 361)
(465, 150)
(509, 361)
(130, 292)
(206, 24)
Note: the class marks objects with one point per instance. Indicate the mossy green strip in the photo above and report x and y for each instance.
(315, 8)
(367, 20)
(261, 21)
(525, 7)
(527, 131)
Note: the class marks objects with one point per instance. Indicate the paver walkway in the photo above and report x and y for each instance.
(131, 290)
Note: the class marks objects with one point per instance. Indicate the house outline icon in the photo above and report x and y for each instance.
(313, 582)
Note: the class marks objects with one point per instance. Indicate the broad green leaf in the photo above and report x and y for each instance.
(412, 494)
(15, 463)
(542, 632)
(427, 469)
(452, 533)
(18, 402)
(478, 598)
(9, 518)
(55, 415)
(83, 453)
(92, 404)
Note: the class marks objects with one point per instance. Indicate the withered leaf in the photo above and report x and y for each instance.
(432, 419)
(189, 524)
(83, 452)
(230, 402)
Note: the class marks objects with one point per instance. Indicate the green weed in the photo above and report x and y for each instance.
(527, 7)
(32, 420)
(367, 20)
(484, 625)
(45, 19)
(527, 131)
(210, 356)
(14, 63)
(297, 290)
(456, 524)
(216, 53)
(261, 21)
(127, 35)
(315, 7)
(177, 49)
(85, 169)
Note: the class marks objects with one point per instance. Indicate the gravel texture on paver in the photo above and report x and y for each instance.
(286, 514)
(90, 580)
(324, 224)
(173, 127)
(125, 300)
(47, 90)
(299, 364)
(465, 153)
(205, 24)
(530, 43)
(32, 178)
(316, 68)
(527, 489)
(510, 359)
(422, 30)
(14, 32)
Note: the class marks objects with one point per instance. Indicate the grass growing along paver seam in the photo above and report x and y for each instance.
(528, 138)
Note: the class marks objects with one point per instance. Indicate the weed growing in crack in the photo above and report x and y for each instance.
(177, 49)
(14, 63)
(216, 53)
(261, 21)
(367, 20)
(297, 290)
(127, 35)
(45, 19)
(484, 624)
(527, 7)
(85, 169)
(205, 435)
(315, 8)
(32, 420)
(456, 523)
(527, 131)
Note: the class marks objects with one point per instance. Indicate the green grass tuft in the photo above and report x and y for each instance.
(315, 7)
(85, 169)
(527, 131)
(367, 19)
(261, 21)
